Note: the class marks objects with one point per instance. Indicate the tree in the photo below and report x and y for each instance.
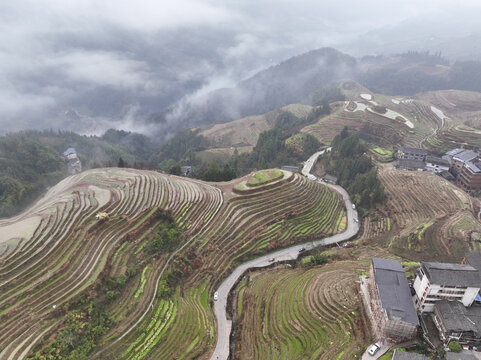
(121, 163)
(455, 347)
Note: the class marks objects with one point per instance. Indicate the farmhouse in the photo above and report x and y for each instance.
(438, 281)
(473, 259)
(447, 175)
(394, 318)
(409, 153)
(407, 164)
(470, 177)
(404, 355)
(436, 165)
(73, 162)
(185, 170)
(457, 158)
(330, 179)
(464, 355)
(454, 321)
(290, 168)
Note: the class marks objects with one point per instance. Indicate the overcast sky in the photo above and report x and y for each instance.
(112, 59)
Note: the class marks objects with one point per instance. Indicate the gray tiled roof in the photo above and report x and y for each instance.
(437, 160)
(466, 155)
(410, 164)
(454, 316)
(404, 355)
(394, 291)
(330, 178)
(465, 355)
(474, 259)
(451, 274)
(411, 150)
(447, 175)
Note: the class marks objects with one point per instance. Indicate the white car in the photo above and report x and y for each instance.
(374, 349)
(354, 206)
(216, 296)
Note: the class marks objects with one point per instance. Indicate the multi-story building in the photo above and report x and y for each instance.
(438, 281)
(470, 177)
(457, 158)
(454, 321)
(409, 153)
(394, 317)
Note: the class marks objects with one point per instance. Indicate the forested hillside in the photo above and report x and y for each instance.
(31, 161)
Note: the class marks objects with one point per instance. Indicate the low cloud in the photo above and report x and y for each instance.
(115, 62)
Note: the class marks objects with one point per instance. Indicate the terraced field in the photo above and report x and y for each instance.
(429, 218)
(235, 234)
(68, 249)
(57, 251)
(373, 127)
(301, 314)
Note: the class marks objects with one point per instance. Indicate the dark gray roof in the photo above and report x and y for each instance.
(474, 167)
(409, 164)
(466, 155)
(411, 150)
(454, 316)
(393, 290)
(474, 259)
(437, 160)
(290, 168)
(330, 178)
(404, 355)
(464, 355)
(447, 175)
(451, 274)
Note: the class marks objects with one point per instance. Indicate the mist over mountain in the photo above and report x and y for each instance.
(92, 66)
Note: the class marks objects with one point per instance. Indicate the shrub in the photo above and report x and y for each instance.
(455, 347)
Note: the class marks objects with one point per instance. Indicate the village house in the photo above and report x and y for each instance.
(438, 281)
(73, 162)
(457, 158)
(407, 164)
(409, 153)
(464, 355)
(404, 355)
(394, 317)
(291, 168)
(185, 170)
(330, 179)
(470, 177)
(455, 321)
(436, 164)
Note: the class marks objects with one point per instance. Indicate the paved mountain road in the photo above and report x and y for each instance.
(224, 326)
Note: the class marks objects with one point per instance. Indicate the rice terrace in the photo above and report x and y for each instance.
(70, 276)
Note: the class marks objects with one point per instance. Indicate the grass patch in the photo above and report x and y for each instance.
(264, 177)
(382, 152)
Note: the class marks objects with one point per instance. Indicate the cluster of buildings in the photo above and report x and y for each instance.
(459, 165)
(73, 162)
(446, 293)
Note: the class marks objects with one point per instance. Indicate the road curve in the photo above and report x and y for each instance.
(224, 326)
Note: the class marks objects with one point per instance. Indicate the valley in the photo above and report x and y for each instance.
(121, 263)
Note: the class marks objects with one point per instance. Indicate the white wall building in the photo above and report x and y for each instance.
(436, 165)
(438, 281)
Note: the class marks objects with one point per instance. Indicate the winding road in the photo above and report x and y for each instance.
(224, 325)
